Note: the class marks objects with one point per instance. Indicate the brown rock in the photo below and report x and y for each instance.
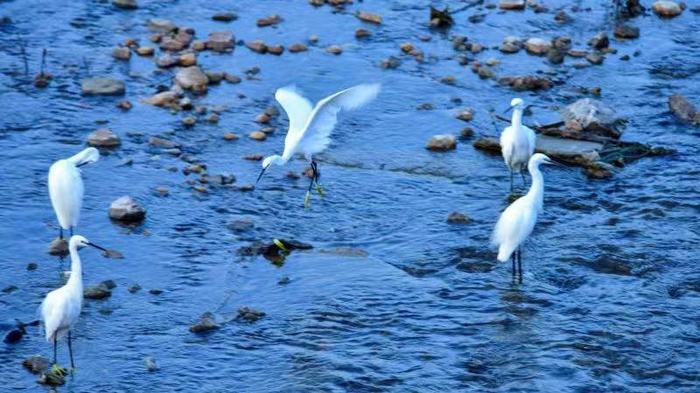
(666, 9)
(369, 17)
(257, 46)
(167, 60)
(257, 135)
(442, 143)
(684, 109)
(295, 48)
(465, 114)
(230, 136)
(521, 83)
(224, 17)
(231, 78)
(269, 21)
(275, 50)
(121, 53)
(362, 33)
(161, 25)
(187, 59)
(124, 105)
(198, 45)
(457, 218)
(192, 78)
(220, 41)
(334, 49)
(103, 138)
(126, 209)
(537, 46)
(406, 47)
(189, 121)
(145, 51)
(512, 4)
(165, 98)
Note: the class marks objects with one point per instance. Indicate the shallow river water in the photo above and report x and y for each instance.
(391, 297)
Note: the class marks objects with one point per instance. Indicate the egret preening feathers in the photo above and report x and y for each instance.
(310, 127)
(517, 141)
(61, 307)
(517, 221)
(66, 188)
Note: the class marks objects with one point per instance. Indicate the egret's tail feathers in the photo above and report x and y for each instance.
(359, 95)
(86, 156)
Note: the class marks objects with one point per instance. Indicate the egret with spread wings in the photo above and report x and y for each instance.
(310, 126)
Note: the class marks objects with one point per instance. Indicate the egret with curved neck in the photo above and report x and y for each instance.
(517, 142)
(310, 127)
(518, 220)
(66, 188)
(61, 307)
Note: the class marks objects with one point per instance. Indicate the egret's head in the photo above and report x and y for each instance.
(78, 241)
(274, 159)
(539, 158)
(517, 103)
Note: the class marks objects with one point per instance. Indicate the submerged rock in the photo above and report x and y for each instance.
(97, 292)
(36, 364)
(369, 17)
(443, 142)
(537, 46)
(457, 218)
(626, 31)
(512, 4)
(511, 44)
(599, 41)
(590, 116)
(269, 21)
(126, 209)
(521, 83)
(103, 137)
(161, 25)
(249, 315)
(684, 109)
(440, 18)
(224, 16)
(121, 53)
(207, 322)
(126, 4)
(102, 86)
(150, 364)
(58, 247)
(220, 41)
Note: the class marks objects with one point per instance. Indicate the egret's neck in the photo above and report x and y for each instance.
(536, 193)
(517, 118)
(76, 268)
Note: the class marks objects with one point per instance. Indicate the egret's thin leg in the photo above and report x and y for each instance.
(520, 264)
(60, 233)
(319, 189)
(511, 181)
(522, 174)
(307, 197)
(70, 351)
(512, 257)
(71, 231)
(54, 348)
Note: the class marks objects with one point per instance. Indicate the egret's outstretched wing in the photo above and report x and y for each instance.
(297, 107)
(322, 120)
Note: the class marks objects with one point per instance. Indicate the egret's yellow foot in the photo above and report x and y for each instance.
(279, 244)
(307, 199)
(320, 191)
(58, 370)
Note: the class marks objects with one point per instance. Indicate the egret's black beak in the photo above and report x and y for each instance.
(552, 162)
(510, 108)
(262, 172)
(81, 164)
(97, 247)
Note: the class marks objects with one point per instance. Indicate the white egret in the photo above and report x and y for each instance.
(517, 141)
(66, 188)
(310, 127)
(61, 307)
(517, 221)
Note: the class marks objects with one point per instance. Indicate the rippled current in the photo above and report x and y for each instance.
(391, 298)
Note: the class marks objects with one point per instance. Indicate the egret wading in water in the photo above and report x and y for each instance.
(517, 221)
(517, 142)
(66, 188)
(61, 307)
(310, 127)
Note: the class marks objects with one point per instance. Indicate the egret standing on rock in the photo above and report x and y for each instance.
(517, 221)
(66, 188)
(310, 127)
(61, 307)
(517, 142)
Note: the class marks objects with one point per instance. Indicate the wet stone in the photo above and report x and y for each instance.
(666, 9)
(362, 33)
(103, 137)
(220, 41)
(521, 83)
(58, 247)
(207, 322)
(334, 49)
(126, 209)
(192, 78)
(684, 109)
(257, 46)
(102, 86)
(187, 59)
(442, 143)
(269, 21)
(537, 46)
(97, 292)
(249, 315)
(512, 4)
(125, 105)
(257, 135)
(369, 17)
(36, 364)
(600, 41)
(241, 225)
(162, 142)
(125, 4)
(511, 44)
(593, 117)
(465, 114)
(298, 47)
(457, 218)
(121, 53)
(133, 288)
(224, 17)
(189, 121)
(626, 31)
(390, 62)
(31, 266)
(150, 364)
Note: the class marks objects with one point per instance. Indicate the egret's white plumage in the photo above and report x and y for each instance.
(66, 186)
(310, 127)
(517, 140)
(518, 220)
(61, 307)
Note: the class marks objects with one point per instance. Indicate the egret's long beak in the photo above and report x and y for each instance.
(510, 108)
(262, 172)
(552, 162)
(97, 247)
